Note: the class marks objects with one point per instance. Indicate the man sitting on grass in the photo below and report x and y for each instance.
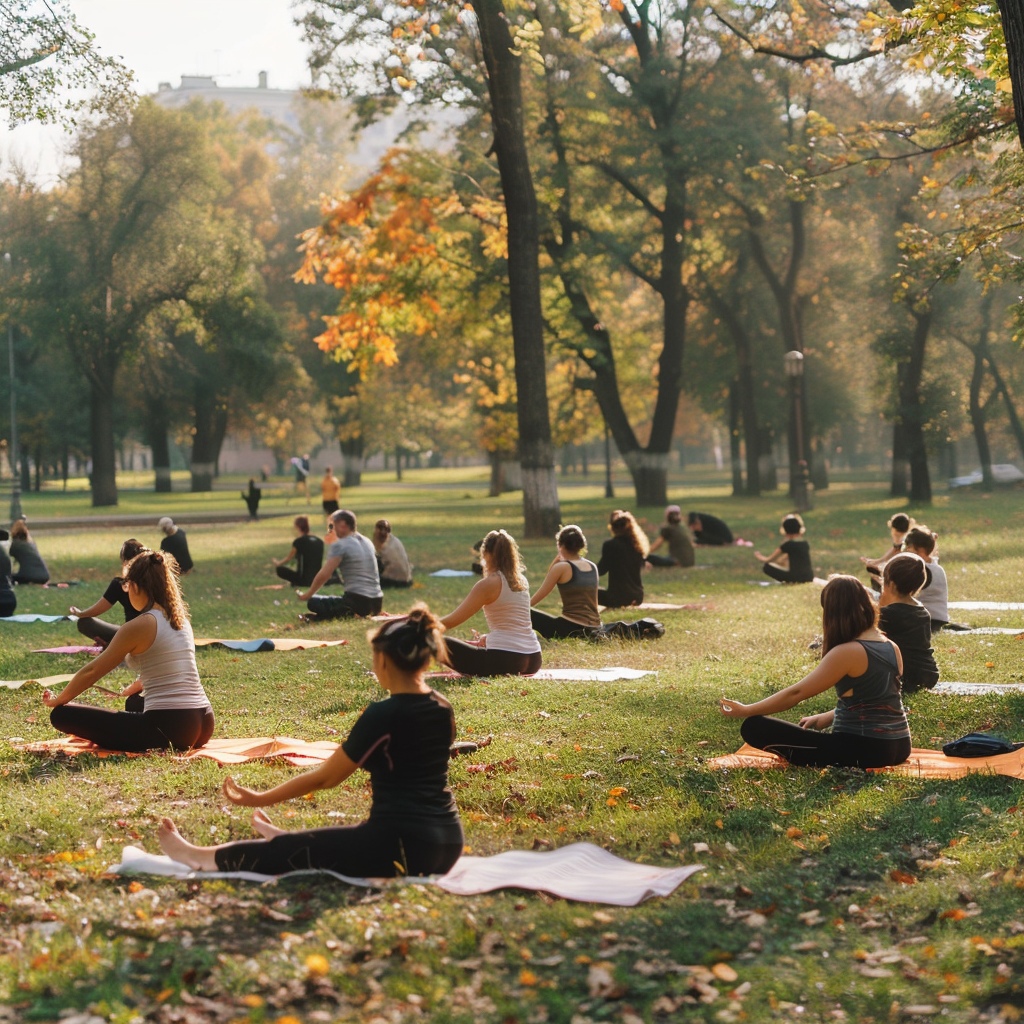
(354, 557)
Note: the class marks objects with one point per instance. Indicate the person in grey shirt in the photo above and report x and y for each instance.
(355, 558)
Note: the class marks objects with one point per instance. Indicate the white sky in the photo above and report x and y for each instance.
(161, 40)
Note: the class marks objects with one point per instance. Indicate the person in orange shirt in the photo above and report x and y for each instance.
(330, 491)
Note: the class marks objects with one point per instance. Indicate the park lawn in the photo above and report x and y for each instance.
(826, 895)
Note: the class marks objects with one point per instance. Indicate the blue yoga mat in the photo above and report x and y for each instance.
(30, 617)
(249, 646)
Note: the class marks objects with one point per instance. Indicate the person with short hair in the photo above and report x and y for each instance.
(355, 559)
(708, 530)
(622, 560)
(96, 629)
(330, 491)
(899, 525)
(790, 562)
(166, 706)
(392, 560)
(935, 593)
(403, 742)
(576, 578)
(869, 724)
(510, 647)
(680, 547)
(906, 622)
(31, 567)
(176, 543)
(307, 551)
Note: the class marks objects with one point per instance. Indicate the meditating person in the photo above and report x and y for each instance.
(392, 561)
(166, 705)
(869, 724)
(899, 525)
(353, 556)
(708, 530)
(23, 550)
(935, 593)
(403, 742)
(576, 578)
(8, 599)
(176, 543)
(307, 552)
(622, 559)
(906, 622)
(673, 533)
(96, 629)
(510, 647)
(252, 498)
(790, 562)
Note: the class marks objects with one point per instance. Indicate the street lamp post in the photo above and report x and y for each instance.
(13, 451)
(794, 363)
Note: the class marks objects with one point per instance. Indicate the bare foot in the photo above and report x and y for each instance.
(198, 858)
(264, 826)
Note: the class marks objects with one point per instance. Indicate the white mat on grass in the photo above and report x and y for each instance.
(984, 631)
(963, 689)
(987, 606)
(597, 675)
(581, 871)
(453, 572)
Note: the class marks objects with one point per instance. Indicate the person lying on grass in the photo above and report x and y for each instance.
(869, 724)
(166, 705)
(403, 742)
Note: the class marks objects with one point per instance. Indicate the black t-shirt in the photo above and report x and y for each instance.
(909, 627)
(6, 569)
(712, 530)
(800, 568)
(116, 594)
(624, 565)
(177, 545)
(404, 743)
(309, 557)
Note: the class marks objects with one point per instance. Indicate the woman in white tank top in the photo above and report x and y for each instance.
(510, 647)
(166, 705)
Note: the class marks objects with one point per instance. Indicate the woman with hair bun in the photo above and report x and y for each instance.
(869, 724)
(403, 742)
(95, 628)
(576, 579)
(622, 558)
(166, 706)
(906, 622)
(511, 648)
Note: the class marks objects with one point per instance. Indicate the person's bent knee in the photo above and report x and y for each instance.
(60, 718)
(752, 730)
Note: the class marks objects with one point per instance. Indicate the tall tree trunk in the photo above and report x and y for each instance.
(735, 459)
(1011, 409)
(911, 412)
(899, 486)
(157, 429)
(398, 462)
(497, 485)
(101, 436)
(976, 407)
(1012, 13)
(204, 444)
(352, 454)
(541, 511)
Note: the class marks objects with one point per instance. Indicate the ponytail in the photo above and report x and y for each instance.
(155, 573)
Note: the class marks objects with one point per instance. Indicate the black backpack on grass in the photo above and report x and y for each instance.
(980, 744)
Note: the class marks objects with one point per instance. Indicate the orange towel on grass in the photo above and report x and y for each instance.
(923, 763)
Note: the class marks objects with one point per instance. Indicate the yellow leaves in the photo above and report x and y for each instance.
(317, 965)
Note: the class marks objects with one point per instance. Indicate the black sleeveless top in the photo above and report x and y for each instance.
(872, 704)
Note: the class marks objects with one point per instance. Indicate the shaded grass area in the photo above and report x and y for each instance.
(826, 895)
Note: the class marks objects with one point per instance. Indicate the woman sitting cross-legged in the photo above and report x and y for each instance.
(622, 558)
(869, 724)
(511, 648)
(95, 628)
(576, 578)
(166, 706)
(403, 742)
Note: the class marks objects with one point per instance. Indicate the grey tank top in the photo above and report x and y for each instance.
(579, 595)
(872, 704)
(170, 678)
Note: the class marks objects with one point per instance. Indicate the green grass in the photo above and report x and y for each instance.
(780, 845)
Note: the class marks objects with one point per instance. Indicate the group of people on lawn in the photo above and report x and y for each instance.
(403, 742)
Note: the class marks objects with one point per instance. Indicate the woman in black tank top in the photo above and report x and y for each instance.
(869, 725)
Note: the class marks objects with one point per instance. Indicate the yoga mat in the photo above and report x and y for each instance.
(986, 606)
(44, 681)
(922, 763)
(965, 689)
(69, 649)
(657, 606)
(72, 746)
(267, 644)
(581, 872)
(32, 617)
(596, 675)
(986, 631)
(448, 573)
(272, 586)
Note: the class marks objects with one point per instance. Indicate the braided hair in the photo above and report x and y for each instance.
(412, 641)
(155, 573)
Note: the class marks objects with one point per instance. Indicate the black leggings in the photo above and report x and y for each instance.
(469, 660)
(291, 576)
(8, 604)
(784, 575)
(558, 627)
(400, 584)
(347, 606)
(370, 850)
(97, 629)
(661, 561)
(613, 599)
(136, 729)
(810, 747)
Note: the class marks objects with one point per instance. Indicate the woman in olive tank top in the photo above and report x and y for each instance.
(576, 578)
